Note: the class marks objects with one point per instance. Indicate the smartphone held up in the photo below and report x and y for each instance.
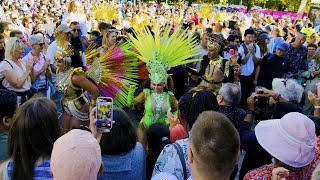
(104, 113)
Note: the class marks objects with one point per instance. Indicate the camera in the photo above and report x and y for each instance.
(260, 101)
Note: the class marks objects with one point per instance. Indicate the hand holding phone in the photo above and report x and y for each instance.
(104, 113)
(95, 132)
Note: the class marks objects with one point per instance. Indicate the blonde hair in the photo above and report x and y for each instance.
(105, 40)
(12, 45)
(66, 59)
(279, 32)
(71, 6)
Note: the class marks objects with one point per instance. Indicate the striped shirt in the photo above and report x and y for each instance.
(41, 171)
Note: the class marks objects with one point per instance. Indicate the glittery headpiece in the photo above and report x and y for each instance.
(161, 53)
(64, 47)
(158, 71)
(216, 42)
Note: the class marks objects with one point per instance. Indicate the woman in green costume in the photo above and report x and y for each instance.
(160, 53)
(156, 98)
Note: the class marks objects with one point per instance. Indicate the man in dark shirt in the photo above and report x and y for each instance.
(75, 36)
(272, 66)
(296, 58)
(228, 99)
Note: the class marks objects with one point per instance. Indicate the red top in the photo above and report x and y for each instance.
(303, 173)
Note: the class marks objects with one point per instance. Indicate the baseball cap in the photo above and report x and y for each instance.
(95, 33)
(63, 28)
(283, 46)
(291, 139)
(264, 36)
(76, 155)
(269, 27)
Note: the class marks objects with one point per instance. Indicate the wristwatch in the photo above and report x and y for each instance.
(250, 112)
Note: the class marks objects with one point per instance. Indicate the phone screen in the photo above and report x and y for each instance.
(104, 113)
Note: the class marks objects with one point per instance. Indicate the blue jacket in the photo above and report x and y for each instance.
(131, 165)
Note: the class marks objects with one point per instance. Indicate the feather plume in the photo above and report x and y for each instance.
(114, 72)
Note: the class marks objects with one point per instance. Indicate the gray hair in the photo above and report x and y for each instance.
(36, 39)
(289, 89)
(231, 94)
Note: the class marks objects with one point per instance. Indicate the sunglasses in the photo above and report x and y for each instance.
(40, 44)
(58, 59)
(76, 30)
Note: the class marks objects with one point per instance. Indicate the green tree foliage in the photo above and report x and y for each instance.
(281, 5)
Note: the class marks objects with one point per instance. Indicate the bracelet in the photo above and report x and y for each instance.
(317, 107)
(277, 97)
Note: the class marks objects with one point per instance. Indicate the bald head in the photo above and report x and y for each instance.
(214, 145)
(231, 94)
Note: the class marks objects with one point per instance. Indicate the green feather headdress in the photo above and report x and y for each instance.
(161, 53)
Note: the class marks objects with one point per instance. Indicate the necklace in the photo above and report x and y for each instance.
(158, 98)
(215, 61)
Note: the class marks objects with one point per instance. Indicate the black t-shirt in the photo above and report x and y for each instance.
(272, 66)
(76, 44)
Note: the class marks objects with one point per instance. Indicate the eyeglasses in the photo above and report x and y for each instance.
(76, 30)
(40, 44)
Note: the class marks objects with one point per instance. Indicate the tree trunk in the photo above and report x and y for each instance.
(249, 5)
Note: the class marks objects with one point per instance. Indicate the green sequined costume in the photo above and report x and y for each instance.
(156, 106)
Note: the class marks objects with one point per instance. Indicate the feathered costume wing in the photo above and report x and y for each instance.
(206, 11)
(105, 11)
(113, 72)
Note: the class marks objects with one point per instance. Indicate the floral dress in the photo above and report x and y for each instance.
(169, 161)
(313, 65)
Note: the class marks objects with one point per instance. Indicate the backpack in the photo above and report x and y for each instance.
(246, 49)
(1, 85)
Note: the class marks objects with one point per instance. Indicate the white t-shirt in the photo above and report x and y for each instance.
(80, 18)
(19, 71)
(53, 47)
(248, 68)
